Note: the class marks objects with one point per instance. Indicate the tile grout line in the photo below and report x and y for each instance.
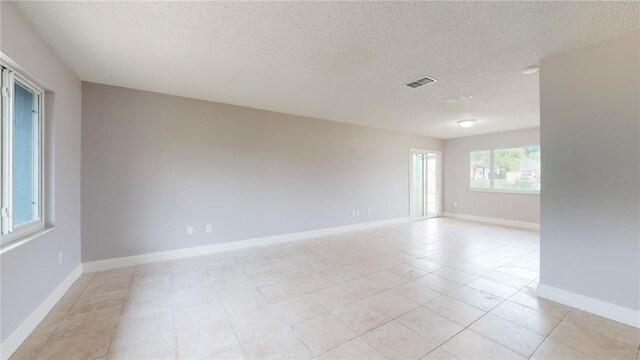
(176, 347)
(230, 322)
(291, 326)
(410, 330)
(384, 323)
(229, 318)
(120, 315)
(422, 305)
(442, 294)
(485, 313)
(432, 272)
(551, 332)
(65, 315)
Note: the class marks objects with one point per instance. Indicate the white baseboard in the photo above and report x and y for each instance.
(115, 263)
(496, 221)
(589, 304)
(11, 344)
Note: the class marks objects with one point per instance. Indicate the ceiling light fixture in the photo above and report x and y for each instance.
(466, 123)
(531, 70)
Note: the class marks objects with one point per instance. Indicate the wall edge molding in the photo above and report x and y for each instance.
(495, 221)
(15, 339)
(592, 305)
(120, 262)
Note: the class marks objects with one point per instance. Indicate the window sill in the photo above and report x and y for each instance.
(25, 239)
(504, 191)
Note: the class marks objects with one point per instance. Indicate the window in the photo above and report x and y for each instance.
(480, 162)
(505, 170)
(21, 156)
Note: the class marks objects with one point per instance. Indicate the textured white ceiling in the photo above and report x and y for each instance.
(342, 61)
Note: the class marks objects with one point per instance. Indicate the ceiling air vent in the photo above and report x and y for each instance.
(421, 82)
(457, 98)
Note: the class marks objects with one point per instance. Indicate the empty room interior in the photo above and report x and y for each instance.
(320, 180)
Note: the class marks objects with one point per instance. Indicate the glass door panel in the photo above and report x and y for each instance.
(431, 187)
(424, 184)
(418, 185)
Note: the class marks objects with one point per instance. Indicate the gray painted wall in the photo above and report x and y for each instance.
(153, 164)
(590, 133)
(30, 272)
(518, 207)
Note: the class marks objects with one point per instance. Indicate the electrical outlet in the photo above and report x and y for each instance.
(368, 211)
(208, 229)
(60, 257)
(189, 230)
(353, 213)
(455, 204)
(357, 212)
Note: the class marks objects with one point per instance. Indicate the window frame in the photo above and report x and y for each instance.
(9, 233)
(492, 189)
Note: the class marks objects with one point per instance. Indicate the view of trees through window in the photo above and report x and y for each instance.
(21, 165)
(515, 169)
(480, 169)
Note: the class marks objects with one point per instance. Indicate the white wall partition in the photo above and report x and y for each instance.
(590, 132)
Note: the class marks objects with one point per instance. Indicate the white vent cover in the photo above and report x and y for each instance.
(421, 82)
(457, 98)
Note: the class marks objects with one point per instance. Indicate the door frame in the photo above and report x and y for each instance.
(438, 182)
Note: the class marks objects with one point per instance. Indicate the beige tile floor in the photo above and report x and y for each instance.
(434, 289)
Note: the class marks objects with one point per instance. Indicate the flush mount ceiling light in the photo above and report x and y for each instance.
(531, 70)
(426, 80)
(466, 123)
